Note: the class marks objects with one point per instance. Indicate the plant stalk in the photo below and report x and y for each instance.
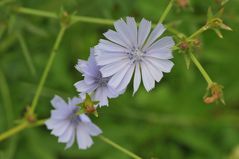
(166, 11)
(47, 68)
(118, 147)
(201, 69)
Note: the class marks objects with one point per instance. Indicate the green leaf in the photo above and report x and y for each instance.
(187, 60)
(209, 13)
(219, 13)
(225, 27)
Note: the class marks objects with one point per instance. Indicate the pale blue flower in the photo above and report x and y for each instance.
(134, 50)
(93, 82)
(66, 124)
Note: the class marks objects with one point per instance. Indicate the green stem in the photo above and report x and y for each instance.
(13, 131)
(92, 20)
(201, 69)
(176, 32)
(19, 128)
(6, 98)
(198, 32)
(55, 16)
(118, 147)
(166, 11)
(26, 54)
(47, 68)
(38, 123)
(25, 125)
(36, 12)
(74, 18)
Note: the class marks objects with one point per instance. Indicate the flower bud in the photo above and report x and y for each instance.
(184, 45)
(29, 115)
(196, 43)
(215, 22)
(183, 3)
(65, 18)
(89, 106)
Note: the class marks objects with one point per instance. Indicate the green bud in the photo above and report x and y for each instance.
(215, 22)
(29, 115)
(88, 101)
(65, 18)
(88, 106)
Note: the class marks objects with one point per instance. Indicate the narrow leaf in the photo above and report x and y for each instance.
(187, 60)
(218, 32)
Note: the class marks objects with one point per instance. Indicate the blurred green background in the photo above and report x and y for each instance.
(170, 122)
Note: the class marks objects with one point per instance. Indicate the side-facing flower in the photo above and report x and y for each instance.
(134, 50)
(66, 124)
(93, 82)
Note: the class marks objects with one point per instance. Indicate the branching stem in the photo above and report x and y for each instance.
(47, 68)
(166, 11)
(201, 69)
(25, 125)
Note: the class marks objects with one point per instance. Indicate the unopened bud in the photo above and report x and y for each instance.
(29, 115)
(184, 45)
(196, 42)
(183, 3)
(65, 18)
(89, 106)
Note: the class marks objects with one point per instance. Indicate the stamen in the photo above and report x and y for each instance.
(102, 81)
(135, 54)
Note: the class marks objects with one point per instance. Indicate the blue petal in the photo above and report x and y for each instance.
(83, 138)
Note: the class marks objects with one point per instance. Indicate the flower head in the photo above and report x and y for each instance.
(134, 50)
(93, 82)
(66, 124)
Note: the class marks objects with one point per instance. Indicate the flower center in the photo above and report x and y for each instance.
(74, 117)
(136, 54)
(102, 81)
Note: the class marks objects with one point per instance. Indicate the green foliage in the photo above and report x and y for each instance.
(170, 122)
